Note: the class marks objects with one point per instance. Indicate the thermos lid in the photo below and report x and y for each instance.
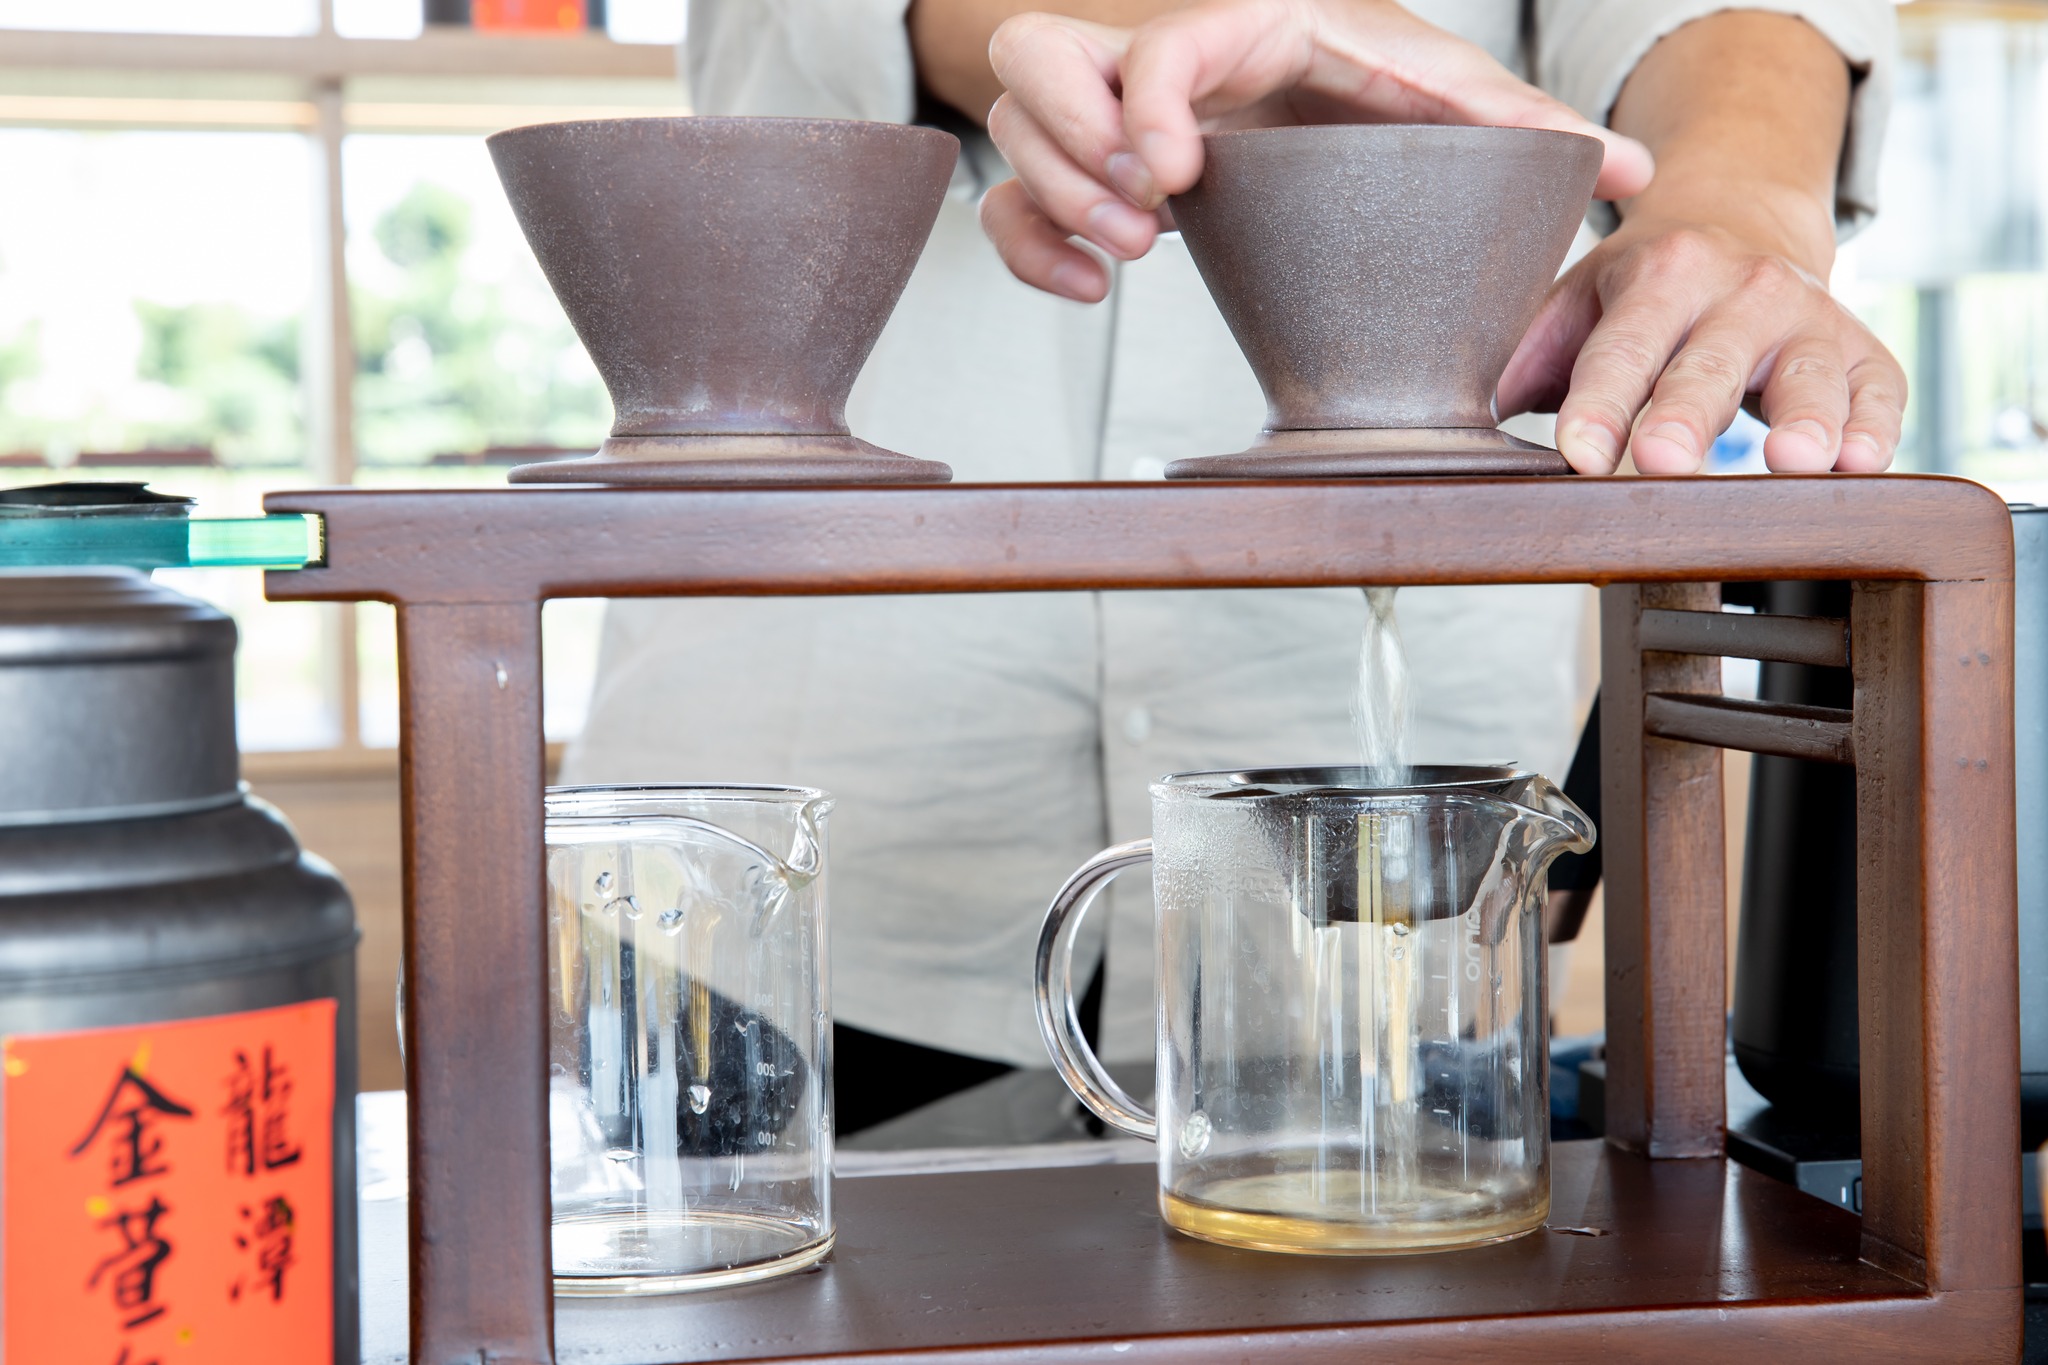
(116, 699)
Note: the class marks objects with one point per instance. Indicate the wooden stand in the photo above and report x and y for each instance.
(1657, 1247)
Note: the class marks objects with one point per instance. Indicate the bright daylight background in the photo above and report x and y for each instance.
(155, 291)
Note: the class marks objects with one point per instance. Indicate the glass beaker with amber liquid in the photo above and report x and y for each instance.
(1352, 1019)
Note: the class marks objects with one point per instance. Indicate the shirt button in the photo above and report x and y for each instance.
(1138, 724)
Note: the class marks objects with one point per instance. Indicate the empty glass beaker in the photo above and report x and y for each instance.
(1351, 1026)
(690, 1083)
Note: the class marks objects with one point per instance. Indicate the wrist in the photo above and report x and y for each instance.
(1783, 220)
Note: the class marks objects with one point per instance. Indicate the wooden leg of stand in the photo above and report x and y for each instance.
(1666, 897)
(475, 1031)
(1937, 976)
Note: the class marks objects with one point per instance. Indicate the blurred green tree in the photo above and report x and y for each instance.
(443, 365)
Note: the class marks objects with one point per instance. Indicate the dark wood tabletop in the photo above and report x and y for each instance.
(1075, 1264)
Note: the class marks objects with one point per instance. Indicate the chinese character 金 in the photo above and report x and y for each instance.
(132, 1106)
(256, 1113)
(136, 1263)
(270, 1233)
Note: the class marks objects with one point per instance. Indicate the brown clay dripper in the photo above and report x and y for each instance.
(1378, 277)
(729, 277)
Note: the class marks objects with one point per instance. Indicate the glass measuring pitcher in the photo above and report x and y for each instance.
(690, 1084)
(1351, 1019)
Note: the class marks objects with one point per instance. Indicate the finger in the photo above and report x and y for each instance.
(1221, 58)
(1403, 67)
(1696, 396)
(1877, 405)
(1539, 373)
(1061, 72)
(1806, 401)
(1616, 370)
(1078, 204)
(1035, 248)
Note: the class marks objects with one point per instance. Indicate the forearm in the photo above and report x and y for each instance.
(949, 39)
(1745, 112)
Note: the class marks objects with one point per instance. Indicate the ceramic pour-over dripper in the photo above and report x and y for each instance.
(728, 277)
(1378, 277)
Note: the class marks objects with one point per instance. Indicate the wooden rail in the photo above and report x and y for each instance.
(1821, 733)
(1782, 639)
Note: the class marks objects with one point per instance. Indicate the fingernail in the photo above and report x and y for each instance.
(1675, 434)
(1134, 178)
(1075, 280)
(1812, 431)
(1119, 229)
(1588, 437)
(1156, 148)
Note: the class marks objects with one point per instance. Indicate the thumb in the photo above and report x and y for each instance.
(1539, 373)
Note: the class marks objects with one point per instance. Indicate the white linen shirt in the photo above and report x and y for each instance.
(981, 747)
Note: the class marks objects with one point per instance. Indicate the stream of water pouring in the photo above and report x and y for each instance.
(1387, 953)
(1380, 708)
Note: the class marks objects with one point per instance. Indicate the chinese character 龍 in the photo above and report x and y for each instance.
(256, 1114)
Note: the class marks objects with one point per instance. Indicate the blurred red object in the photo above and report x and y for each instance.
(528, 16)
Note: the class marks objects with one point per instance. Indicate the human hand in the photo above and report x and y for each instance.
(1102, 124)
(1652, 341)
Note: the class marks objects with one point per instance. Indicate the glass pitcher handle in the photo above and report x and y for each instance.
(1059, 1022)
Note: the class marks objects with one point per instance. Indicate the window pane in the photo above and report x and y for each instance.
(378, 18)
(152, 290)
(645, 21)
(461, 349)
(1951, 274)
(164, 16)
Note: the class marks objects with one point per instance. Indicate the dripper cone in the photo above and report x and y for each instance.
(729, 277)
(1378, 278)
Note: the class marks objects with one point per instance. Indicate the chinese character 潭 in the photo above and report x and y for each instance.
(136, 1263)
(270, 1232)
(256, 1114)
(133, 1105)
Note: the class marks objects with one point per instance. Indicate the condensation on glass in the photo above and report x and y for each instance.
(1351, 1041)
(689, 1091)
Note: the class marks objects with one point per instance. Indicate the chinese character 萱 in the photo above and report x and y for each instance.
(136, 1263)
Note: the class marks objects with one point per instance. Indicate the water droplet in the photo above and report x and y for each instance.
(604, 882)
(1496, 981)
(1194, 1135)
(742, 1025)
(700, 1098)
(1400, 929)
(1398, 954)
(671, 920)
(620, 1154)
(631, 907)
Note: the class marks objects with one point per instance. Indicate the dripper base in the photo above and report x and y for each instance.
(668, 461)
(1364, 453)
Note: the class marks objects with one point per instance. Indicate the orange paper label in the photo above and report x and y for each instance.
(168, 1191)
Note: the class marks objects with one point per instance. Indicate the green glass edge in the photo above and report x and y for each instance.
(286, 541)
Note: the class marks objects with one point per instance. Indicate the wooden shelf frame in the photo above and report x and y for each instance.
(1932, 737)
